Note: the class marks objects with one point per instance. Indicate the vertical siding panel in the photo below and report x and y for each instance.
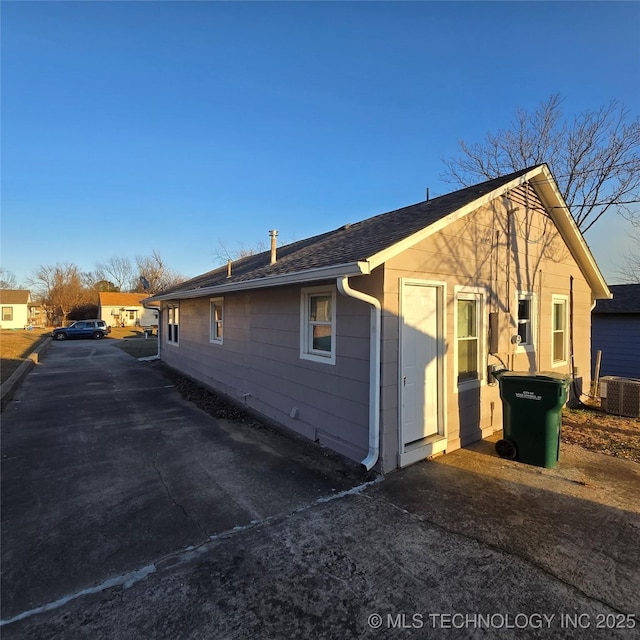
(618, 337)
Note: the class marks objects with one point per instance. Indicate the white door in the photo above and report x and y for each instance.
(420, 365)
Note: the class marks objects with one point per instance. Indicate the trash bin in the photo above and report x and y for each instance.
(531, 416)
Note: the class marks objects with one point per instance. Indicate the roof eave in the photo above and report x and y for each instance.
(545, 185)
(299, 277)
(391, 252)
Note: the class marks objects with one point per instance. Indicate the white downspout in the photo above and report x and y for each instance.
(374, 369)
(157, 356)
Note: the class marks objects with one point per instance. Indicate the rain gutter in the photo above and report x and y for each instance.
(308, 275)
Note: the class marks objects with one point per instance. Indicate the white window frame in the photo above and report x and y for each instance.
(479, 295)
(564, 300)
(216, 337)
(9, 309)
(530, 345)
(306, 325)
(173, 321)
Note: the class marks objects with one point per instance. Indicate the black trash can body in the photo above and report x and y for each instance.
(532, 416)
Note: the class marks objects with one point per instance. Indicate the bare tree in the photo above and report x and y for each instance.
(223, 253)
(7, 279)
(154, 275)
(96, 281)
(119, 271)
(42, 283)
(595, 157)
(629, 272)
(60, 288)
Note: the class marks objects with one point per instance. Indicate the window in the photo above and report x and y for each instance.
(173, 321)
(317, 324)
(467, 340)
(7, 314)
(217, 320)
(468, 331)
(558, 330)
(525, 318)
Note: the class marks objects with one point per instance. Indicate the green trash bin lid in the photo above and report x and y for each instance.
(541, 376)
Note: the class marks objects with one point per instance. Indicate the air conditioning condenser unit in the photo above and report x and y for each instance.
(620, 396)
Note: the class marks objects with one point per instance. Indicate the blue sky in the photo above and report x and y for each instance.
(129, 127)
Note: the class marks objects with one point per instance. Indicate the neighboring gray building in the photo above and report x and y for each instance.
(375, 339)
(615, 330)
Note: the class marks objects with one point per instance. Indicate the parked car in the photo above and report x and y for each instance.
(95, 329)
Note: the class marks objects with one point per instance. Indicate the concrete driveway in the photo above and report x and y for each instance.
(129, 513)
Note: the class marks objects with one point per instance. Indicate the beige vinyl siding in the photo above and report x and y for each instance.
(496, 253)
(259, 363)
(145, 317)
(486, 250)
(19, 316)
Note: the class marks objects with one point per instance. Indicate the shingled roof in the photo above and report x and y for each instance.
(357, 249)
(14, 296)
(626, 299)
(348, 244)
(117, 299)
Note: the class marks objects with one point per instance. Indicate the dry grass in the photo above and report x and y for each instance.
(138, 347)
(595, 430)
(132, 341)
(126, 332)
(15, 346)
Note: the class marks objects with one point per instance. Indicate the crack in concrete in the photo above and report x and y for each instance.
(126, 581)
(175, 502)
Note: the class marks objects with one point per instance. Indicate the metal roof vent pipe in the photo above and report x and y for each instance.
(274, 234)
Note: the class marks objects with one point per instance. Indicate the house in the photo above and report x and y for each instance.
(15, 305)
(376, 339)
(125, 309)
(615, 330)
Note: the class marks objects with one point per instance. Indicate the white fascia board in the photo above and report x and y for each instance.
(299, 277)
(540, 177)
(391, 252)
(545, 186)
(148, 303)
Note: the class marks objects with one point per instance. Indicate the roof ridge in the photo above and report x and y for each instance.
(348, 244)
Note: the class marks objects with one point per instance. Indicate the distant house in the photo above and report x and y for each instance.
(377, 339)
(615, 330)
(15, 308)
(125, 309)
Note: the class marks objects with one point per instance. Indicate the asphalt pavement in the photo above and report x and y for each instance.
(129, 513)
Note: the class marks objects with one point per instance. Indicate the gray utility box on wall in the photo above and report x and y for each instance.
(620, 396)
